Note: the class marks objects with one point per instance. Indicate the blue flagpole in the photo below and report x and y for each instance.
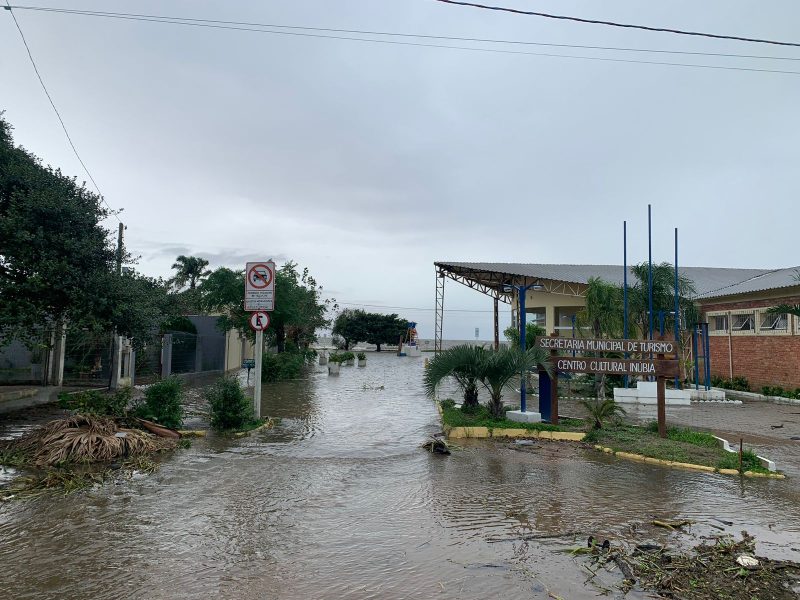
(650, 268)
(677, 307)
(625, 286)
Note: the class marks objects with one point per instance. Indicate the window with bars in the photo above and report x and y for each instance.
(719, 323)
(744, 322)
(774, 322)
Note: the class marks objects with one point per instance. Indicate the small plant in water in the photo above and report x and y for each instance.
(162, 403)
(361, 356)
(230, 407)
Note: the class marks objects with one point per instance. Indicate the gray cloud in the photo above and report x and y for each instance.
(368, 162)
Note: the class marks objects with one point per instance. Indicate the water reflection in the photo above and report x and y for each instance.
(338, 501)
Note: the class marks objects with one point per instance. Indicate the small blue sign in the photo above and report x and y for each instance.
(249, 363)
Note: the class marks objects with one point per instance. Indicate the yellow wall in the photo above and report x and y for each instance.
(549, 303)
(237, 348)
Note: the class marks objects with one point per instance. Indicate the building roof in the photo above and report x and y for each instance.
(710, 282)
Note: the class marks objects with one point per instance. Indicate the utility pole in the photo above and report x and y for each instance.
(119, 248)
(114, 337)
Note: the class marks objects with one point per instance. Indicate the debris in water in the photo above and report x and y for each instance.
(436, 446)
(747, 561)
(721, 569)
(672, 524)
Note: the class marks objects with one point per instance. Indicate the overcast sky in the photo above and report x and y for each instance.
(367, 162)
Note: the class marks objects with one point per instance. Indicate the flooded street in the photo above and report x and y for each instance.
(338, 501)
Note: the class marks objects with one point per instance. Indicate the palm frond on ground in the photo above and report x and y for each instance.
(85, 439)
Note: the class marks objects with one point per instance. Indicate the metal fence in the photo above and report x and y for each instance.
(87, 358)
(192, 353)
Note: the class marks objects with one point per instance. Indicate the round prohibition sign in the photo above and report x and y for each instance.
(259, 321)
(260, 276)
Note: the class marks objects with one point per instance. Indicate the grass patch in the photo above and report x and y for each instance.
(454, 417)
(680, 445)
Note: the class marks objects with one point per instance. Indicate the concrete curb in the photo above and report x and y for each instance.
(268, 424)
(459, 433)
(765, 462)
(756, 397)
(669, 463)
(193, 432)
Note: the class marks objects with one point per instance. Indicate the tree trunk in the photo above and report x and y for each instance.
(280, 338)
(377, 347)
(496, 407)
(470, 396)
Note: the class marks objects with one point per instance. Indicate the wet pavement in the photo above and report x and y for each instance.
(338, 501)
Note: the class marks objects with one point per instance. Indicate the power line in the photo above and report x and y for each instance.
(177, 21)
(615, 24)
(58, 114)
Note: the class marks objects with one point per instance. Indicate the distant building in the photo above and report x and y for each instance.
(745, 339)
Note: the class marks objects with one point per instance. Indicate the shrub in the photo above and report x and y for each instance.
(337, 357)
(95, 402)
(361, 356)
(737, 384)
(162, 403)
(282, 366)
(230, 407)
(601, 411)
(779, 391)
(447, 403)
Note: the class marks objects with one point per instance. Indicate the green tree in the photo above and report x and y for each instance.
(604, 309)
(663, 298)
(57, 262)
(603, 314)
(532, 331)
(352, 326)
(384, 329)
(191, 270)
(299, 308)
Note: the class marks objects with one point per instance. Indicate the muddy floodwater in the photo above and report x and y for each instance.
(338, 501)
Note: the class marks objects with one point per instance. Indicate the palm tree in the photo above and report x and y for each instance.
(788, 309)
(500, 367)
(602, 409)
(462, 363)
(470, 365)
(191, 270)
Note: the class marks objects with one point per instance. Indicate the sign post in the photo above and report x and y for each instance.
(660, 367)
(259, 297)
(257, 387)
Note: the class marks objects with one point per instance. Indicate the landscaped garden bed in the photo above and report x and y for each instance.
(681, 445)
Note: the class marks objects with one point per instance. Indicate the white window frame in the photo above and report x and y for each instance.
(745, 311)
(711, 318)
(768, 331)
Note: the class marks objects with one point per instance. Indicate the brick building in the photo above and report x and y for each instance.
(749, 341)
(746, 340)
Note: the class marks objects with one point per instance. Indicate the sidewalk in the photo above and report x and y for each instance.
(17, 396)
